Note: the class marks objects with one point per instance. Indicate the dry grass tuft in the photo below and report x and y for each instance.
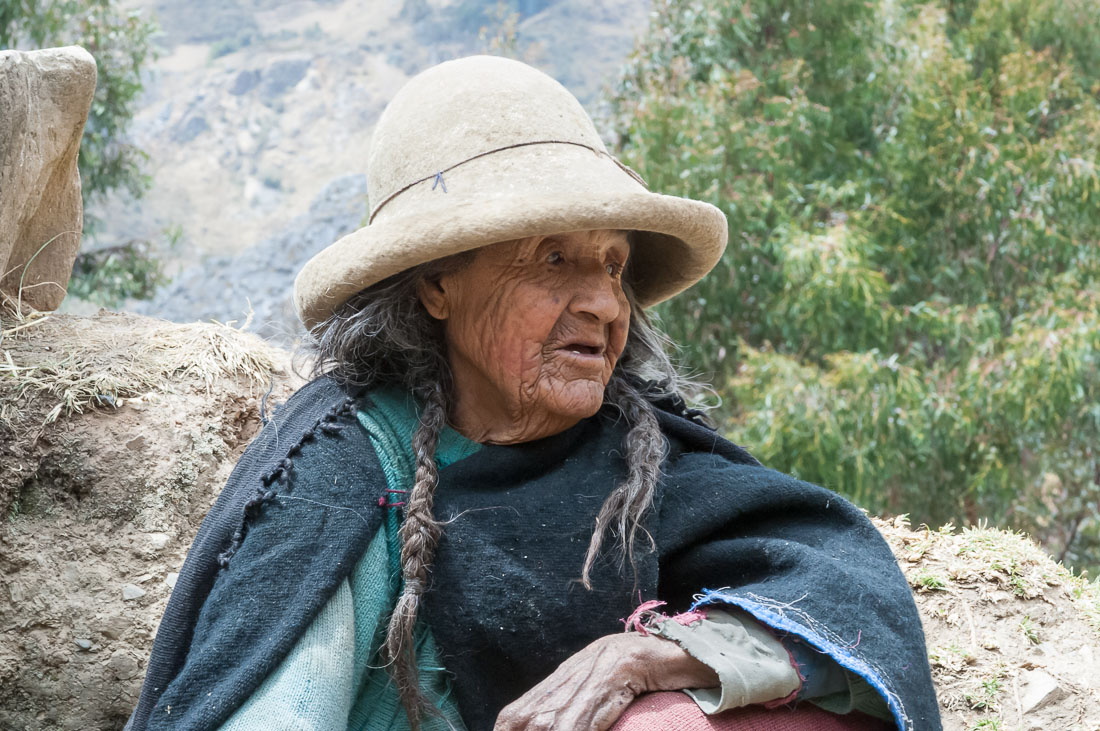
(79, 363)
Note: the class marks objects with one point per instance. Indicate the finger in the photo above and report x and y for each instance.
(595, 710)
(608, 713)
(508, 719)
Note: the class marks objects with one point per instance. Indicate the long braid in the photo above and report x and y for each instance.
(420, 533)
(645, 448)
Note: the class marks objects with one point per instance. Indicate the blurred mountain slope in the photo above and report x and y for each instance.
(255, 106)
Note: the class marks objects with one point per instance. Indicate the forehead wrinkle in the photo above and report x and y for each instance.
(611, 240)
(519, 247)
(502, 259)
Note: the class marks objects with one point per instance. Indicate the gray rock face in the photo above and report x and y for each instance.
(282, 75)
(189, 129)
(132, 591)
(203, 21)
(44, 101)
(246, 81)
(261, 278)
(1040, 689)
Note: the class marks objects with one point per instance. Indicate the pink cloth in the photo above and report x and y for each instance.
(674, 711)
(646, 614)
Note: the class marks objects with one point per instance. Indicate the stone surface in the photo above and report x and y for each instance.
(1039, 689)
(245, 82)
(132, 591)
(189, 129)
(281, 75)
(123, 665)
(158, 540)
(44, 101)
(113, 626)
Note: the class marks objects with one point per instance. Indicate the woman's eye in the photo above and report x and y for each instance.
(555, 257)
(614, 269)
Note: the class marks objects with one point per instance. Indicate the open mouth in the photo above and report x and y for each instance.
(585, 350)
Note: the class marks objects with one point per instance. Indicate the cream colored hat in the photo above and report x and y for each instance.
(485, 149)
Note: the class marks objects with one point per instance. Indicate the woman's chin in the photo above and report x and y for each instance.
(576, 400)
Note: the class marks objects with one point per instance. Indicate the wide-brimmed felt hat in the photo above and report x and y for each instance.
(485, 149)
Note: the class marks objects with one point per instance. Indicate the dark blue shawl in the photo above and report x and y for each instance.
(505, 604)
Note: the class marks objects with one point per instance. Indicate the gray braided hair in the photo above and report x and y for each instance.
(384, 336)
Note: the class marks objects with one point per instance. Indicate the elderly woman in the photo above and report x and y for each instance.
(494, 470)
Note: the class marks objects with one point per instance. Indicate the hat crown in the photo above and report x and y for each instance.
(482, 150)
(464, 108)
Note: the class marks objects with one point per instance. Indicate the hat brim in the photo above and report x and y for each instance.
(678, 241)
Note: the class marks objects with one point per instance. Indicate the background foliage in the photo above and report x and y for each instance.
(908, 308)
(121, 42)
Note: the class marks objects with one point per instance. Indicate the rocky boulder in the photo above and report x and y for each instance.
(44, 101)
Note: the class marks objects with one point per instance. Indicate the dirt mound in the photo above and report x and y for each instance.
(116, 434)
(1013, 637)
(118, 431)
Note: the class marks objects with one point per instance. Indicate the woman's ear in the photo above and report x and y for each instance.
(433, 297)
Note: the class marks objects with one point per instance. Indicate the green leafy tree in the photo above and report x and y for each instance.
(907, 311)
(120, 40)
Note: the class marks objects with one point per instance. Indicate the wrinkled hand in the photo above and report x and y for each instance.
(591, 689)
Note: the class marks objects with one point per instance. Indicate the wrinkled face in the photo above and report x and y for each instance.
(534, 329)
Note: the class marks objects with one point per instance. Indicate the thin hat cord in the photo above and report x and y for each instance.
(438, 175)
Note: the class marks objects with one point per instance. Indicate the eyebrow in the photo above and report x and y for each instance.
(562, 238)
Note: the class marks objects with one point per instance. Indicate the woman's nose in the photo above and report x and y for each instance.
(598, 294)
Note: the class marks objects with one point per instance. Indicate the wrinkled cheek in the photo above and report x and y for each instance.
(581, 396)
(514, 363)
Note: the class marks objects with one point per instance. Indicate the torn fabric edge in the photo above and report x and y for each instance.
(281, 474)
(772, 616)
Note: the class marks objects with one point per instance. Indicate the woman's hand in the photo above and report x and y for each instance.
(591, 689)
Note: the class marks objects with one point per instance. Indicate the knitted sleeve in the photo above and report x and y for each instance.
(312, 689)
